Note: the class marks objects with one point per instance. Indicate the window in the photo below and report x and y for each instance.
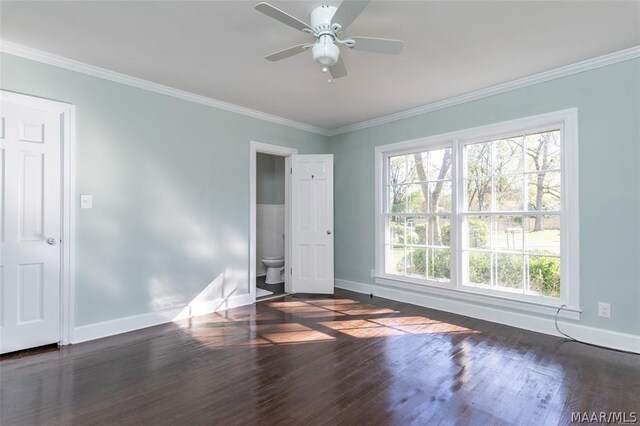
(418, 216)
(489, 211)
(511, 222)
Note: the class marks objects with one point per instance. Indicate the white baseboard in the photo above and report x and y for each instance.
(123, 325)
(598, 336)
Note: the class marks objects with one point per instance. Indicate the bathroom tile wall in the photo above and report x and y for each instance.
(269, 233)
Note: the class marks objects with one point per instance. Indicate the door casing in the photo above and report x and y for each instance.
(67, 114)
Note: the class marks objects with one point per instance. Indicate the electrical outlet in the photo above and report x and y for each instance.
(604, 310)
(86, 201)
(373, 273)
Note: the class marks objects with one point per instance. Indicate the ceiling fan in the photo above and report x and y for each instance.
(327, 26)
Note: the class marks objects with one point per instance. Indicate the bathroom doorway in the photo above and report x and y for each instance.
(269, 227)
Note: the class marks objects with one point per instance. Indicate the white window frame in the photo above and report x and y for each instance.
(567, 122)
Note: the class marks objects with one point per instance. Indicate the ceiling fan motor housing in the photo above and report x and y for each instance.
(324, 50)
(321, 18)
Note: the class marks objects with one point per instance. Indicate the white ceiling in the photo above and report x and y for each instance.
(216, 48)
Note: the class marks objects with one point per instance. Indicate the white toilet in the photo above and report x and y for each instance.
(275, 268)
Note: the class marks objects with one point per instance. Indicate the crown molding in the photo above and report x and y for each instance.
(70, 64)
(578, 67)
(81, 67)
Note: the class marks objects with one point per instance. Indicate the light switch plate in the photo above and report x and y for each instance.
(86, 201)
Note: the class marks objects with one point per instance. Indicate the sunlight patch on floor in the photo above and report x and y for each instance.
(394, 326)
(321, 320)
(365, 333)
(328, 308)
(309, 312)
(297, 337)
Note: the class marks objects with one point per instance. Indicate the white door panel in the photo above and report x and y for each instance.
(312, 224)
(30, 146)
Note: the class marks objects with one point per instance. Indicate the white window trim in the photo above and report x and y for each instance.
(570, 270)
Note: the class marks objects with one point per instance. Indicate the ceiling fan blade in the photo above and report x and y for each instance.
(286, 53)
(348, 11)
(378, 45)
(338, 70)
(281, 16)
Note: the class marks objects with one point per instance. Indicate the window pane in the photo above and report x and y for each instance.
(478, 194)
(509, 270)
(417, 262)
(543, 151)
(439, 164)
(544, 191)
(476, 232)
(417, 230)
(439, 231)
(397, 198)
(479, 267)
(544, 275)
(508, 156)
(397, 170)
(509, 233)
(396, 230)
(509, 193)
(439, 264)
(395, 260)
(440, 193)
(478, 159)
(542, 234)
(417, 164)
(416, 199)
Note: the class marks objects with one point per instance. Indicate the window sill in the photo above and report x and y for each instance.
(446, 289)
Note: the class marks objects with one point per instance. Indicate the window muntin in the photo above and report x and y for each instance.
(518, 251)
(418, 210)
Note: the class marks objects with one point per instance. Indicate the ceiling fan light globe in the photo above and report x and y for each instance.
(325, 51)
(327, 61)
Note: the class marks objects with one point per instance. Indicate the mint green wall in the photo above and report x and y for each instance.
(608, 102)
(170, 186)
(269, 179)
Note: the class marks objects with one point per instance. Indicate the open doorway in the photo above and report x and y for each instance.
(269, 231)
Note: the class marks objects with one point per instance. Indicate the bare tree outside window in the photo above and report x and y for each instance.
(434, 197)
(543, 152)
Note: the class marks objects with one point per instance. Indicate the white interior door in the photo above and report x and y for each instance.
(30, 209)
(312, 224)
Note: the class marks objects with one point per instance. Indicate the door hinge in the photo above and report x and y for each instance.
(291, 170)
(291, 271)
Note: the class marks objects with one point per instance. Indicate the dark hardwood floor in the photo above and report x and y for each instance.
(275, 289)
(347, 360)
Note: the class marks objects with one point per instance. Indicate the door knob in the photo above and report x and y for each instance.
(329, 232)
(51, 241)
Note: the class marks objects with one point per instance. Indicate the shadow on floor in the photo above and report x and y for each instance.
(275, 289)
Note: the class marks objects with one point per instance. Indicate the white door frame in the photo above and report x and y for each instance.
(281, 151)
(67, 245)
